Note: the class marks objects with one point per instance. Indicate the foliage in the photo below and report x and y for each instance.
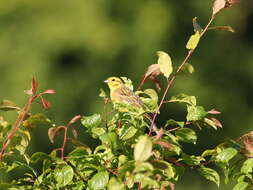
(133, 152)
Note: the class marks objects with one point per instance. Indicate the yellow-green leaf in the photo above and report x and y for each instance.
(165, 63)
(193, 41)
(143, 149)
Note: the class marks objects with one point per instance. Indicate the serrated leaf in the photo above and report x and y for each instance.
(63, 175)
(226, 155)
(210, 174)
(143, 149)
(91, 121)
(165, 63)
(184, 98)
(218, 5)
(186, 135)
(247, 166)
(195, 113)
(193, 41)
(99, 180)
(241, 186)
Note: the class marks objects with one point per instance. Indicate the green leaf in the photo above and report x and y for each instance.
(193, 41)
(164, 166)
(187, 69)
(102, 93)
(143, 167)
(183, 98)
(186, 135)
(36, 120)
(192, 159)
(109, 138)
(143, 148)
(174, 123)
(7, 105)
(79, 152)
(210, 174)
(241, 186)
(151, 101)
(91, 121)
(99, 180)
(63, 175)
(39, 156)
(195, 113)
(208, 153)
(247, 166)
(127, 132)
(114, 184)
(226, 155)
(164, 61)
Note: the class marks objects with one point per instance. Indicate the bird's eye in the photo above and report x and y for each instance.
(113, 79)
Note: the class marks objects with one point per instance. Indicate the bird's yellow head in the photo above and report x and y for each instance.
(113, 82)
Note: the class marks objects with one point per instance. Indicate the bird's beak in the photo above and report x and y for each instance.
(106, 81)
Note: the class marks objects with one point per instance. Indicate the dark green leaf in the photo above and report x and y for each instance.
(195, 113)
(186, 135)
(36, 120)
(91, 121)
(210, 174)
(166, 167)
(143, 149)
(99, 180)
(63, 175)
(241, 186)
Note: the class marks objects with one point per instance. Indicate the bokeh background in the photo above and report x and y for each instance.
(72, 46)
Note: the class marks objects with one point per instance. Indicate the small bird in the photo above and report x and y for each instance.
(120, 93)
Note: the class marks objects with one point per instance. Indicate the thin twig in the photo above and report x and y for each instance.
(170, 82)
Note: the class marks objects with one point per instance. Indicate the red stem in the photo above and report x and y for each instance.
(16, 125)
(64, 142)
(170, 82)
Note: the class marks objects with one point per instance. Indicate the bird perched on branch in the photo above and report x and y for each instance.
(121, 94)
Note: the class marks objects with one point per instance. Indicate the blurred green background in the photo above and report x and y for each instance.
(72, 46)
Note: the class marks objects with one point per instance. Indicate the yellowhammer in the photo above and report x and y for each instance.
(120, 93)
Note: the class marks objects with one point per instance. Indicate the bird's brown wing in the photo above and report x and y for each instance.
(124, 94)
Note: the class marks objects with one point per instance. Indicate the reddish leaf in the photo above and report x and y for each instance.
(213, 111)
(152, 72)
(34, 86)
(45, 104)
(74, 132)
(164, 144)
(49, 91)
(218, 5)
(230, 3)
(54, 131)
(29, 92)
(74, 119)
(216, 122)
